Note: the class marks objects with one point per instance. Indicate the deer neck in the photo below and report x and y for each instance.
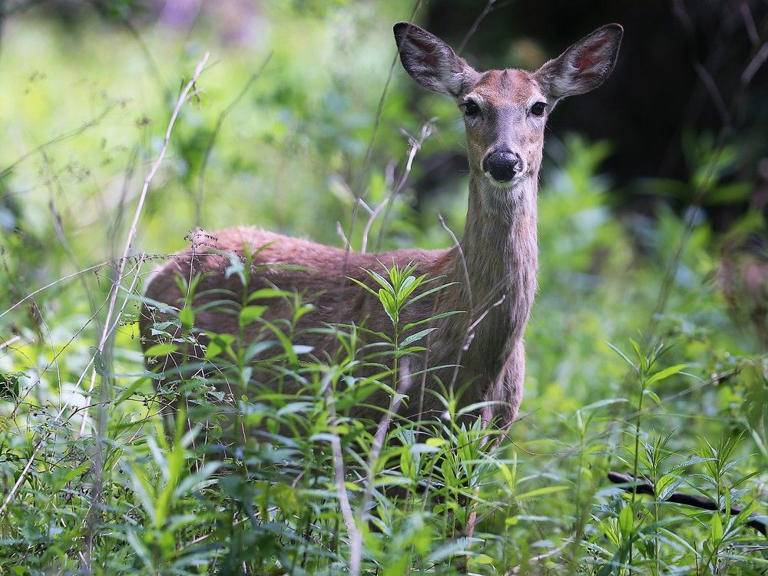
(496, 269)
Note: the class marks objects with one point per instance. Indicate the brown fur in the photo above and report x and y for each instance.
(491, 275)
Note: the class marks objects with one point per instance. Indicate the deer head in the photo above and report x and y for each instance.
(505, 111)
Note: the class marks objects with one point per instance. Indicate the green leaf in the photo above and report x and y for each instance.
(362, 285)
(430, 291)
(755, 397)
(666, 485)
(162, 349)
(729, 193)
(285, 342)
(406, 289)
(267, 293)
(541, 492)
(9, 386)
(744, 516)
(626, 521)
(482, 559)
(412, 325)
(380, 280)
(603, 403)
(218, 344)
(187, 318)
(249, 314)
(653, 396)
(416, 337)
(302, 349)
(623, 356)
(716, 527)
(664, 374)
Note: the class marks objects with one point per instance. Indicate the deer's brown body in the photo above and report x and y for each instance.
(491, 275)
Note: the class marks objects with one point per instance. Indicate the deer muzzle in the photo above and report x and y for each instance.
(503, 165)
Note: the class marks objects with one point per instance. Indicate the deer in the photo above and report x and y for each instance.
(488, 277)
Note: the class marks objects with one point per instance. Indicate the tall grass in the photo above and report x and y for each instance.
(214, 468)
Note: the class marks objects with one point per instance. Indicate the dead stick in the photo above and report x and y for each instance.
(632, 484)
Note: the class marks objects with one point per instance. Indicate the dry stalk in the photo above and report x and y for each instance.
(414, 145)
(353, 532)
(136, 216)
(381, 431)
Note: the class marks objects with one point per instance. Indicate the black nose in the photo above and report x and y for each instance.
(503, 165)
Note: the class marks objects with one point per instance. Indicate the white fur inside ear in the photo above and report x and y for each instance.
(431, 62)
(583, 66)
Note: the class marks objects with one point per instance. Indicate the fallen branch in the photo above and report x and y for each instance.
(641, 487)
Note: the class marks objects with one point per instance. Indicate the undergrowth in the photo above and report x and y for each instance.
(219, 465)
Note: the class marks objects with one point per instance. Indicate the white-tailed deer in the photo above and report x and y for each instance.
(490, 276)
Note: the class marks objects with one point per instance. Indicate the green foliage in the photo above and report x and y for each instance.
(97, 477)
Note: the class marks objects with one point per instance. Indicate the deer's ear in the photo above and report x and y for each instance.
(430, 61)
(583, 66)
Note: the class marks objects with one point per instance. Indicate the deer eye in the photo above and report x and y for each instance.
(538, 108)
(470, 108)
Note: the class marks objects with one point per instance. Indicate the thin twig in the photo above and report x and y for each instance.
(23, 475)
(701, 191)
(536, 559)
(414, 145)
(755, 64)
(62, 409)
(56, 139)
(371, 218)
(465, 269)
(137, 215)
(363, 176)
(50, 180)
(215, 134)
(714, 92)
(340, 232)
(145, 51)
(52, 284)
(379, 113)
(9, 342)
(749, 24)
(116, 223)
(353, 532)
(381, 431)
(475, 25)
(55, 358)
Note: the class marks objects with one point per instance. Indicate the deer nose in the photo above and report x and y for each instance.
(503, 165)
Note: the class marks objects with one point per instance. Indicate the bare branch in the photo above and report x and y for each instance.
(754, 65)
(415, 145)
(22, 476)
(630, 483)
(360, 188)
(749, 24)
(34, 293)
(137, 215)
(381, 431)
(714, 93)
(536, 559)
(487, 9)
(9, 342)
(354, 534)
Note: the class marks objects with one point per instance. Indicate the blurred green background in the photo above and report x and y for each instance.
(653, 196)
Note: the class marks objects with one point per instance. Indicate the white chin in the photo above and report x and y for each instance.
(504, 185)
